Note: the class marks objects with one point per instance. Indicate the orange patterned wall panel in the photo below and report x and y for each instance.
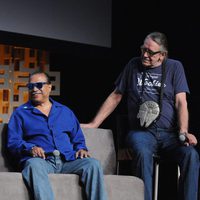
(16, 63)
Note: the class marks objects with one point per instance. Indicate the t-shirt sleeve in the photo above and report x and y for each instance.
(180, 81)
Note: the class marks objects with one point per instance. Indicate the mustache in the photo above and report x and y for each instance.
(33, 93)
(145, 58)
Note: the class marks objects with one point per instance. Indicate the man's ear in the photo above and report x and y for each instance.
(164, 54)
(50, 86)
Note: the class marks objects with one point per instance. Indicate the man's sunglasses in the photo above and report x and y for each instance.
(148, 51)
(38, 85)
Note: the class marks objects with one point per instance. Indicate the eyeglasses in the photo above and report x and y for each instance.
(148, 51)
(38, 85)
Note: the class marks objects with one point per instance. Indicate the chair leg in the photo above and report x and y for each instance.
(156, 178)
(178, 174)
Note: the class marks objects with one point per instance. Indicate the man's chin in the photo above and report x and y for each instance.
(146, 64)
(35, 101)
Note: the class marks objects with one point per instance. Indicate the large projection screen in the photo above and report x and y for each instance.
(81, 21)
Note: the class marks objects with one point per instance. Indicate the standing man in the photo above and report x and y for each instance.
(46, 137)
(156, 89)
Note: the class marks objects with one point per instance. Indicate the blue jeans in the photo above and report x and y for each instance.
(146, 143)
(36, 170)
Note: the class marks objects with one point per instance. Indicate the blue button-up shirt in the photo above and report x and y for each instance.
(29, 127)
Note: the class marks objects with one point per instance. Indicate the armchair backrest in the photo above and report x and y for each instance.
(100, 143)
(5, 164)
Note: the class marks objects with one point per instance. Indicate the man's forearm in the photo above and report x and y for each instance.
(107, 108)
(183, 119)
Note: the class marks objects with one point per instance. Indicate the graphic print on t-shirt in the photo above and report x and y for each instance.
(152, 82)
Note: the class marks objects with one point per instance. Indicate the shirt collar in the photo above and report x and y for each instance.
(29, 104)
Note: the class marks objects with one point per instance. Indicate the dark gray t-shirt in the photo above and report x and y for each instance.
(130, 81)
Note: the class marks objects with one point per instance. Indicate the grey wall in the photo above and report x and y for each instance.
(82, 21)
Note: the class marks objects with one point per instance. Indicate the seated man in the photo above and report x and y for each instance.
(46, 138)
(155, 88)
